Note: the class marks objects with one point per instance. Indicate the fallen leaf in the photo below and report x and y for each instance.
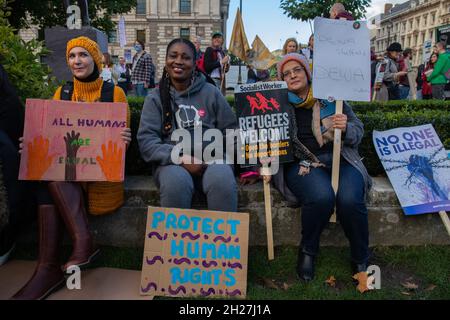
(286, 286)
(269, 283)
(431, 287)
(331, 281)
(406, 293)
(410, 285)
(362, 281)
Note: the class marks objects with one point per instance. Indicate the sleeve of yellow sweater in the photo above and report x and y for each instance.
(119, 96)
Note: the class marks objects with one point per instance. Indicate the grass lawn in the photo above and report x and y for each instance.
(427, 267)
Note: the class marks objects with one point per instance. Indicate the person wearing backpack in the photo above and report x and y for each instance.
(61, 203)
(441, 73)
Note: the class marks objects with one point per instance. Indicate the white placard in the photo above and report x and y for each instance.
(122, 34)
(341, 60)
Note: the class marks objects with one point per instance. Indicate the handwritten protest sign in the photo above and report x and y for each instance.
(73, 141)
(263, 118)
(417, 166)
(195, 253)
(341, 60)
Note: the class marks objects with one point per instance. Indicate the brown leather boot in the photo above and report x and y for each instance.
(68, 198)
(48, 275)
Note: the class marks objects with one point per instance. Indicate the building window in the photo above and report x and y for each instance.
(185, 6)
(185, 33)
(141, 7)
(112, 36)
(140, 35)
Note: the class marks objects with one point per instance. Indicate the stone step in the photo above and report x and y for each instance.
(387, 223)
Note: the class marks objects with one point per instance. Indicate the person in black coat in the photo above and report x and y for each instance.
(11, 128)
(216, 61)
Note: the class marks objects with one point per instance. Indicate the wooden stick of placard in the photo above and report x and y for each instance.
(336, 156)
(265, 171)
(445, 220)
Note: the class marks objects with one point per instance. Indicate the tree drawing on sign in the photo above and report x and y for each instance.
(38, 158)
(420, 170)
(111, 163)
(72, 147)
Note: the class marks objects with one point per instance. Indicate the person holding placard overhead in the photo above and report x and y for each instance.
(62, 203)
(307, 181)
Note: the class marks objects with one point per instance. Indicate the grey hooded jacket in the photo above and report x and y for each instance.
(202, 102)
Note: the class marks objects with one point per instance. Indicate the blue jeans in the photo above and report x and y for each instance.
(177, 187)
(141, 91)
(317, 197)
(403, 92)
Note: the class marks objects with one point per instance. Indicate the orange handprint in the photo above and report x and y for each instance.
(111, 163)
(38, 160)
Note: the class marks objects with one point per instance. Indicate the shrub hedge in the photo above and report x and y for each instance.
(375, 116)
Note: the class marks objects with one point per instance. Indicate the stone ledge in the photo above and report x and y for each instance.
(387, 223)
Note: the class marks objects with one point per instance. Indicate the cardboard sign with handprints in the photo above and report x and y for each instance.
(195, 253)
(73, 141)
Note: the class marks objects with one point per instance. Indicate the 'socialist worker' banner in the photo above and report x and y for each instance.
(195, 253)
(263, 121)
(73, 141)
(341, 60)
(418, 167)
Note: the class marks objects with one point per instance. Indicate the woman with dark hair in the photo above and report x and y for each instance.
(143, 70)
(426, 86)
(62, 203)
(186, 100)
(108, 72)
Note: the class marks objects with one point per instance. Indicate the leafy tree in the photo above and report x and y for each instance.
(305, 10)
(49, 13)
(21, 61)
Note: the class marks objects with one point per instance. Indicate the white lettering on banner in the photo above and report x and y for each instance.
(341, 60)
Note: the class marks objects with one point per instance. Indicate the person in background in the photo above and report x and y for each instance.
(217, 63)
(197, 41)
(290, 46)
(389, 88)
(426, 86)
(404, 63)
(124, 75)
(419, 82)
(338, 12)
(437, 78)
(141, 70)
(251, 75)
(108, 73)
(308, 52)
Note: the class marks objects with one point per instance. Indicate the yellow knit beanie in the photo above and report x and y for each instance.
(88, 44)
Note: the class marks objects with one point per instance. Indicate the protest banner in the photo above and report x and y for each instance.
(341, 70)
(262, 111)
(73, 141)
(128, 57)
(122, 32)
(195, 253)
(418, 168)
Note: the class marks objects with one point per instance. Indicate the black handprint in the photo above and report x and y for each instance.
(72, 147)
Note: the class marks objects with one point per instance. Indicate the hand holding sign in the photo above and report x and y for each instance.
(111, 163)
(38, 159)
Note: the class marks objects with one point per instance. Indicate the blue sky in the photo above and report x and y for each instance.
(265, 18)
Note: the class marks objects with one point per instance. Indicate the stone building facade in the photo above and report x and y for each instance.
(157, 22)
(411, 24)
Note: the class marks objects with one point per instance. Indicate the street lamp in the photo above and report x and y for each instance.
(240, 75)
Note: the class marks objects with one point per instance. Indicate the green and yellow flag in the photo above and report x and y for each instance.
(239, 43)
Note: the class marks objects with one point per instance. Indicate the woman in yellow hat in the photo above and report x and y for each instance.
(65, 200)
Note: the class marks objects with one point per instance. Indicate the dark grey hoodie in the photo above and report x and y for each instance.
(202, 101)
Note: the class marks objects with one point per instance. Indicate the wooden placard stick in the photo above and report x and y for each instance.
(445, 220)
(265, 171)
(336, 156)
